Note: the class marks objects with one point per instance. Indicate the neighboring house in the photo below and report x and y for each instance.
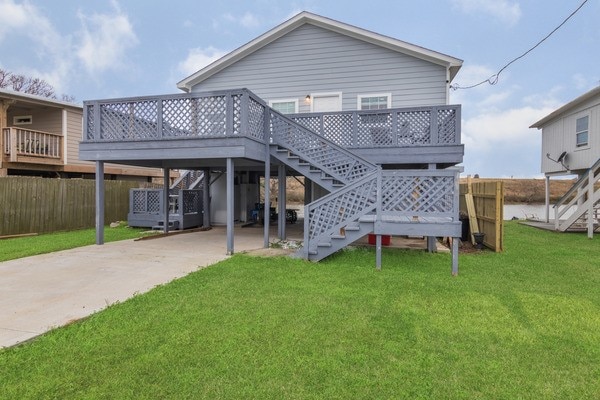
(571, 146)
(40, 137)
(362, 116)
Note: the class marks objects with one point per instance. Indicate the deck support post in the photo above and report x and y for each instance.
(206, 198)
(590, 211)
(431, 244)
(166, 184)
(455, 256)
(230, 205)
(267, 203)
(281, 202)
(99, 202)
(378, 252)
(547, 199)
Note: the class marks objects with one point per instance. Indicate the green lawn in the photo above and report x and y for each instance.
(524, 324)
(19, 247)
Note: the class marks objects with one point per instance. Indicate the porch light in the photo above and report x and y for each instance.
(307, 98)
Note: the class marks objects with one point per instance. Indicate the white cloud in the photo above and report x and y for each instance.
(15, 16)
(247, 20)
(483, 132)
(506, 11)
(106, 38)
(49, 46)
(199, 58)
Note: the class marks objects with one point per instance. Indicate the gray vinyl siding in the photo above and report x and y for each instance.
(559, 136)
(311, 59)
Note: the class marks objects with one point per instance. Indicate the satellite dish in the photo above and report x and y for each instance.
(560, 160)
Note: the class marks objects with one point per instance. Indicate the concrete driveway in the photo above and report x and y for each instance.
(43, 292)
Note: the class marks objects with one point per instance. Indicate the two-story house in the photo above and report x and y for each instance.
(362, 116)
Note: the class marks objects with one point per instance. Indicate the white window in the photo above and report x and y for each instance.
(325, 102)
(374, 101)
(22, 120)
(285, 106)
(581, 131)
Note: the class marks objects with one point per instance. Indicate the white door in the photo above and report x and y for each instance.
(323, 102)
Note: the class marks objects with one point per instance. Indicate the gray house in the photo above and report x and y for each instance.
(362, 116)
(571, 146)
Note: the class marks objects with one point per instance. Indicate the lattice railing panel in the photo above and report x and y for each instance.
(211, 116)
(417, 195)
(447, 126)
(90, 122)
(129, 120)
(414, 127)
(374, 130)
(256, 118)
(329, 214)
(237, 114)
(311, 122)
(179, 117)
(146, 201)
(338, 129)
(320, 152)
(191, 201)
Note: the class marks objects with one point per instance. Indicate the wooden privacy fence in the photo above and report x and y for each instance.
(488, 198)
(36, 205)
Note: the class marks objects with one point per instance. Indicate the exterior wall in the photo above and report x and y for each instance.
(559, 136)
(73, 129)
(46, 120)
(311, 59)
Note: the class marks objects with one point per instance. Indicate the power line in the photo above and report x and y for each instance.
(492, 80)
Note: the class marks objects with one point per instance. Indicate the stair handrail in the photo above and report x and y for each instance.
(346, 169)
(581, 182)
(339, 211)
(578, 184)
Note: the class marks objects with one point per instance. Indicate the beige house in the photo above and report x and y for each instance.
(40, 137)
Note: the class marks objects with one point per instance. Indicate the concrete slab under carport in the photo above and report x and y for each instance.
(50, 290)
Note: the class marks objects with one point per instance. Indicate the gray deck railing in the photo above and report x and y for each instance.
(398, 195)
(422, 126)
(241, 113)
(214, 114)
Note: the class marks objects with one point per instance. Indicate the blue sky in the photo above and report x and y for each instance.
(102, 49)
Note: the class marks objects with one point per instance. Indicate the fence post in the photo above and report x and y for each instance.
(434, 129)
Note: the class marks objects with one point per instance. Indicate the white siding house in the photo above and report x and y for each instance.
(571, 146)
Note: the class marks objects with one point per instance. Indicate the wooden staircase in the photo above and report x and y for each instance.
(584, 199)
(363, 198)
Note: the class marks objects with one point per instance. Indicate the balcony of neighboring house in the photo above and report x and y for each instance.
(27, 146)
(236, 123)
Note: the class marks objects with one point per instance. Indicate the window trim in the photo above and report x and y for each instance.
(295, 101)
(22, 120)
(325, 94)
(586, 131)
(362, 96)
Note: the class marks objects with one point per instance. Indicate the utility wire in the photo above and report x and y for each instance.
(492, 80)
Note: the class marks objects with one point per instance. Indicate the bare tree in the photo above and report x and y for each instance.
(29, 85)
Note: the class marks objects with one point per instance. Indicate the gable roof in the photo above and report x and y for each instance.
(567, 107)
(453, 64)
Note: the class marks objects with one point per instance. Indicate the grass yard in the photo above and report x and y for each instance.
(19, 247)
(524, 324)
